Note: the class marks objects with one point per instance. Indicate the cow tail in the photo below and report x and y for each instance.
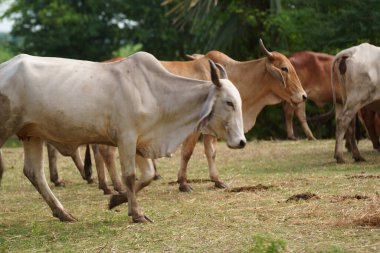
(87, 163)
(1, 167)
(328, 115)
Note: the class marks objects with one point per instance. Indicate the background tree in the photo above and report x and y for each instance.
(76, 29)
(96, 30)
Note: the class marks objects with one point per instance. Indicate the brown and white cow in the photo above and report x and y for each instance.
(134, 104)
(359, 72)
(313, 70)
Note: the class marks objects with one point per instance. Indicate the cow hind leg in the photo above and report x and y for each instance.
(353, 143)
(210, 152)
(33, 170)
(343, 121)
(186, 152)
(52, 158)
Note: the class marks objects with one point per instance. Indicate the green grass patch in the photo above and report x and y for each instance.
(255, 218)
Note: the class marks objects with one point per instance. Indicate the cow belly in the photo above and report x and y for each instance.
(64, 134)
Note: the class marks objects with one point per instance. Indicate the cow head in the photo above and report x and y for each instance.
(286, 83)
(222, 113)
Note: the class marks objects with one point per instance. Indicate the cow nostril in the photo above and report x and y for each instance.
(242, 144)
(304, 97)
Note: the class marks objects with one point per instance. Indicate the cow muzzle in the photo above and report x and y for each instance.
(236, 142)
(298, 98)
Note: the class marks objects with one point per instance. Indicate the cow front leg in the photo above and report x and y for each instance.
(52, 158)
(100, 170)
(127, 153)
(186, 152)
(146, 167)
(108, 154)
(33, 170)
(289, 113)
(210, 151)
(301, 115)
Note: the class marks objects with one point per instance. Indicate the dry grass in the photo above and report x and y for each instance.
(207, 219)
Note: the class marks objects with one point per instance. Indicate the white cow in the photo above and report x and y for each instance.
(359, 75)
(134, 104)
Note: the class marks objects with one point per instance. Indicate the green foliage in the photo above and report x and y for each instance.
(266, 244)
(334, 249)
(169, 29)
(85, 29)
(5, 52)
(127, 50)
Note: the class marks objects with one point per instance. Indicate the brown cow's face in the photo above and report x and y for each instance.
(286, 83)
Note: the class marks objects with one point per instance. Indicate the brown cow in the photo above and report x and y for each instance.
(261, 82)
(313, 70)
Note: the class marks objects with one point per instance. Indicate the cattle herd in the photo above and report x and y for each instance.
(146, 108)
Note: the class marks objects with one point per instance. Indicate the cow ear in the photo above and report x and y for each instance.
(214, 74)
(275, 72)
(207, 110)
(222, 71)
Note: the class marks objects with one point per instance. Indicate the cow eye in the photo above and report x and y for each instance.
(285, 69)
(229, 103)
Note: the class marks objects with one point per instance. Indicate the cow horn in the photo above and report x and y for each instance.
(214, 74)
(189, 57)
(222, 71)
(263, 48)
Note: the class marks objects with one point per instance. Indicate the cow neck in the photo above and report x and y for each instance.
(177, 115)
(252, 80)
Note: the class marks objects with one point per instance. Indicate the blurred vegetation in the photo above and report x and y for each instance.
(169, 29)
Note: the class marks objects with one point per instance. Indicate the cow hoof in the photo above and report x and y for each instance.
(89, 181)
(340, 160)
(60, 183)
(117, 200)
(312, 138)
(157, 177)
(185, 188)
(142, 219)
(119, 190)
(106, 191)
(359, 159)
(220, 185)
(62, 215)
(292, 138)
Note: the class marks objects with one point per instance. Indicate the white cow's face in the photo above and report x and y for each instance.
(226, 119)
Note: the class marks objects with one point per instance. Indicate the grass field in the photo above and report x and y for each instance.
(343, 215)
